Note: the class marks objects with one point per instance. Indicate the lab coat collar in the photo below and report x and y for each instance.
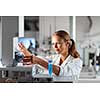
(57, 60)
(68, 59)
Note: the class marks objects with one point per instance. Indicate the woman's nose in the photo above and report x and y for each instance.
(55, 45)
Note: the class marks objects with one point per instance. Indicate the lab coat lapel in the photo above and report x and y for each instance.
(68, 60)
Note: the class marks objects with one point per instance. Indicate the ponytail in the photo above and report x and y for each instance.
(72, 50)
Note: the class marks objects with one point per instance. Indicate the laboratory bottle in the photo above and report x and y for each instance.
(50, 67)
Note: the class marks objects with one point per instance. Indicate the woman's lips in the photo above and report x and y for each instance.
(57, 50)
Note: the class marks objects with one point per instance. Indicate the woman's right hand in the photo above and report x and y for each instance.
(24, 50)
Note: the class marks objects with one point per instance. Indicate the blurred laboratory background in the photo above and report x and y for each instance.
(38, 30)
(88, 44)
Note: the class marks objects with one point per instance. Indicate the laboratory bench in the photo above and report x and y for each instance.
(24, 75)
(89, 77)
(87, 80)
(52, 79)
(14, 74)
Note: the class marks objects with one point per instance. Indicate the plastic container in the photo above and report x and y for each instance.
(50, 67)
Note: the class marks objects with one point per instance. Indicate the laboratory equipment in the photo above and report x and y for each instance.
(50, 67)
(29, 43)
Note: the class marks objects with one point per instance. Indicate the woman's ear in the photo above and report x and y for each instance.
(70, 43)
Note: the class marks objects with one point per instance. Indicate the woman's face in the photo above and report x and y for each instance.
(59, 45)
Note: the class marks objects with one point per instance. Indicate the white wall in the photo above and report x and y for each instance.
(21, 26)
(9, 30)
(82, 27)
(63, 22)
(49, 24)
(96, 24)
(85, 34)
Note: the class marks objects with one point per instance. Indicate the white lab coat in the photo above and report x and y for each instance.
(70, 67)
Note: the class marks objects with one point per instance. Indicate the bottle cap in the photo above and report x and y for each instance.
(49, 60)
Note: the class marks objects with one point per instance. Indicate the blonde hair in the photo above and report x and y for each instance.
(72, 49)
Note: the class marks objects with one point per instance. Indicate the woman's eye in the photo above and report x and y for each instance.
(53, 43)
(57, 43)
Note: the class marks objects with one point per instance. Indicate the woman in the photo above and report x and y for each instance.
(67, 62)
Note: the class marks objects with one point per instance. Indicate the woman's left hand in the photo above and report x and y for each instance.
(24, 50)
